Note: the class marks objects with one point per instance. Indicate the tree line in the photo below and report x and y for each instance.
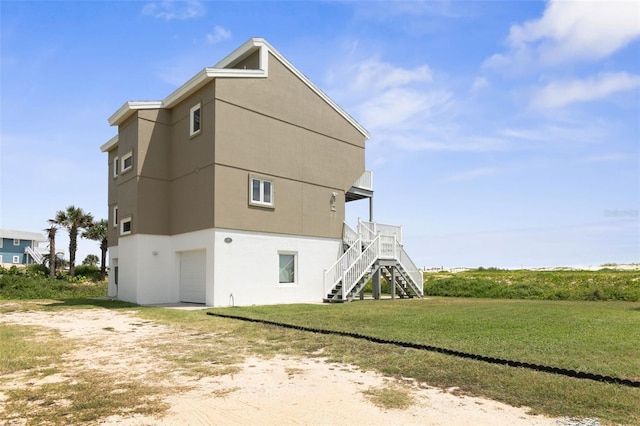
(77, 222)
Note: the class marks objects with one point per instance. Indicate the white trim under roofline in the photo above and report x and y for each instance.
(110, 144)
(128, 107)
(250, 46)
(219, 70)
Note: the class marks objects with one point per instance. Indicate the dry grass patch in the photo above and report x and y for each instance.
(391, 397)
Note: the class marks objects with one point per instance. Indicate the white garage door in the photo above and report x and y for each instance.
(192, 276)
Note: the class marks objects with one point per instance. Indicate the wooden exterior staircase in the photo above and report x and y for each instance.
(373, 251)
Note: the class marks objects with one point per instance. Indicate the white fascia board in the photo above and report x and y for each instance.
(313, 87)
(202, 78)
(110, 144)
(22, 235)
(241, 52)
(129, 107)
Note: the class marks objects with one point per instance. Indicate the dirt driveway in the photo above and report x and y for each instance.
(120, 347)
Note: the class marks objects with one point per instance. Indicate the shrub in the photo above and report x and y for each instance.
(90, 272)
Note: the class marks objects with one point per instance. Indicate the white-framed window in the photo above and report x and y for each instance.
(287, 268)
(16, 242)
(16, 259)
(116, 166)
(115, 216)
(125, 226)
(127, 162)
(260, 192)
(1, 241)
(195, 120)
(0, 258)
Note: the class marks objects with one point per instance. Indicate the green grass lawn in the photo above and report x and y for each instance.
(595, 337)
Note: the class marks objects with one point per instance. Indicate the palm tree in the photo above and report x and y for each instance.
(51, 235)
(98, 231)
(73, 218)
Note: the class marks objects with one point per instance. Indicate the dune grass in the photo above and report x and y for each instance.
(606, 284)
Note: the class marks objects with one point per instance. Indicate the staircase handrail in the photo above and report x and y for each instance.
(365, 232)
(349, 235)
(36, 256)
(357, 270)
(412, 270)
(374, 228)
(335, 273)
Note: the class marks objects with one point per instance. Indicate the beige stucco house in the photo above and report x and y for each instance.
(232, 191)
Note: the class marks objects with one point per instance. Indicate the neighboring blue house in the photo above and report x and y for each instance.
(20, 247)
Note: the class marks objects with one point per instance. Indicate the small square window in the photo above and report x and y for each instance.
(16, 259)
(261, 192)
(125, 226)
(287, 268)
(195, 123)
(16, 242)
(116, 166)
(115, 216)
(127, 162)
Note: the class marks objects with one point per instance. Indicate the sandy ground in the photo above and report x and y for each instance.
(277, 391)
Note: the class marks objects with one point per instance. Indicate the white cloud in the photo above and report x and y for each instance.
(561, 93)
(398, 106)
(606, 157)
(479, 84)
(473, 174)
(219, 34)
(375, 75)
(173, 9)
(571, 30)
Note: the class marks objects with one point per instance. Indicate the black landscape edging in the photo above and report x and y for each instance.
(491, 360)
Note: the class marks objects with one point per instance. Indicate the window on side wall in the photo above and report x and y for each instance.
(115, 216)
(16, 242)
(127, 162)
(16, 259)
(125, 226)
(260, 192)
(195, 123)
(116, 166)
(287, 268)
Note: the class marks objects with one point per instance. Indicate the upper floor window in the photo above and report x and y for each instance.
(116, 166)
(115, 216)
(125, 226)
(127, 162)
(195, 123)
(16, 242)
(261, 192)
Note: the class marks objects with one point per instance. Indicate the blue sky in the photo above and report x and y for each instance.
(502, 133)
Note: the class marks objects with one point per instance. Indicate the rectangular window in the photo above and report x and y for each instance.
(127, 162)
(195, 123)
(125, 226)
(287, 271)
(116, 166)
(115, 216)
(16, 259)
(16, 242)
(261, 192)
(0, 258)
(1, 241)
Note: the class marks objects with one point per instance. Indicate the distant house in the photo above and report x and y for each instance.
(232, 191)
(20, 247)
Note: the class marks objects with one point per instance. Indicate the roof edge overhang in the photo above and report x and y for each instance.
(222, 70)
(110, 144)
